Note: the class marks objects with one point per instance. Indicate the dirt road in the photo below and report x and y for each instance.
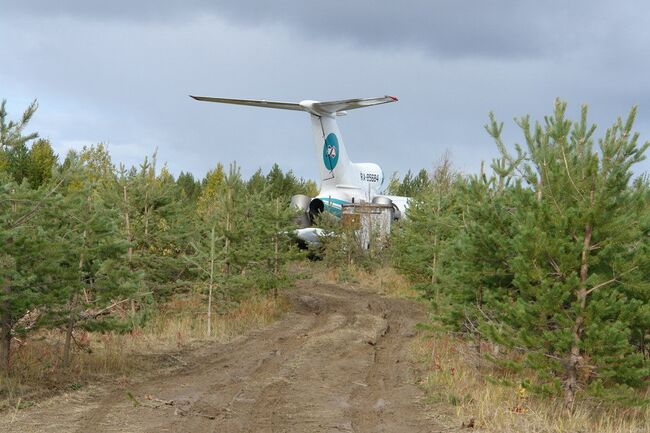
(337, 362)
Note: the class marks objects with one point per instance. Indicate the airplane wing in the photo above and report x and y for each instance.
(253, 102)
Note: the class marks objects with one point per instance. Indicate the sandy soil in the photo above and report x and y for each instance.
(337, 362)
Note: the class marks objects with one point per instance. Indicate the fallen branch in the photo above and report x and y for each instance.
(93, 314)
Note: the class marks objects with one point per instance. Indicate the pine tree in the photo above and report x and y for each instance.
(17, 162)
(13, 141)
(434, 219)
(256, 183)
(279, 184)
(28, 260)
(205, 259)
(42, 160)
(99, 167)
(217, 250)
(157, 225)
(94, 260)
(210, 188)
(561, 257)
(476, 268)
(271, 244)
(190, 188)
(307, 187)
(410, 185)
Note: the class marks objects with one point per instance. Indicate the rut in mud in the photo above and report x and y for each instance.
(337, 362)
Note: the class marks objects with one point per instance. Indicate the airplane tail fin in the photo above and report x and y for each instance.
(335, 166)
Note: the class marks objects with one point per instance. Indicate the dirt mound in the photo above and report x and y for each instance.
(338, 362)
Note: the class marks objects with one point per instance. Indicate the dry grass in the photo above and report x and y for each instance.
(458, 392)
(184, 321)
(120, 358)
(384, 280)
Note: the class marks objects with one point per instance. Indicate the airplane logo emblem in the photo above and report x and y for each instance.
(331, 151)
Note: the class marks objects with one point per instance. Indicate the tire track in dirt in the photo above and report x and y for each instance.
(338, 362)
(389, 402)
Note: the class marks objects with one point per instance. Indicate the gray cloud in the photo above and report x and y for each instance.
(120, 73)
(451, 28)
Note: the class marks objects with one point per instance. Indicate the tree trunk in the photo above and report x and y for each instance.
(5, 337)
(146, 212)
(434, 261)
(434, 266)
(127, 224)
(276, 241)
(129, 238)
(226, 264)
(210, 286)
(71, 318)
(68, 337)
(7, 324)
(571, 383)
(275, 268)
(479, 306)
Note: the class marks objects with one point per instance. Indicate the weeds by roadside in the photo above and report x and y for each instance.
(36, 363)
(382, 280)
(460, 392)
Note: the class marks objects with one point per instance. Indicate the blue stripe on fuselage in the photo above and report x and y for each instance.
(333, 205)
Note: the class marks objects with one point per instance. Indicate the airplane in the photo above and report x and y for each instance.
(342, 181)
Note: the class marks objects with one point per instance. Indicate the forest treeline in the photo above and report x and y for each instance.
(544, 261)
(81, 236)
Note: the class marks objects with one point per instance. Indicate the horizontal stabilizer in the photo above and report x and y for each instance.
(252, 102)
(350, 104)
(314, 107)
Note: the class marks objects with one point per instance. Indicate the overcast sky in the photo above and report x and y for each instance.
(119, 72)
